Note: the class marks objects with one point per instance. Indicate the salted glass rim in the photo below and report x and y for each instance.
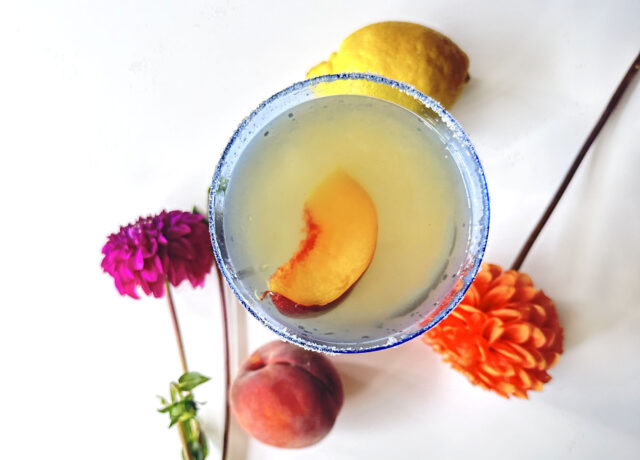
(482, 227)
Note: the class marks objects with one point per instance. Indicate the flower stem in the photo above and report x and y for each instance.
(635, 66)
(176, 327)
(185, 443)
(227, 373)
(183, 361)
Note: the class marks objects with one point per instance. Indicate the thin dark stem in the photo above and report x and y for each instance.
(635, 66)
(176, 327)
(227, 372)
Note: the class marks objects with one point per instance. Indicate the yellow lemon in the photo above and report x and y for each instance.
(403, 51)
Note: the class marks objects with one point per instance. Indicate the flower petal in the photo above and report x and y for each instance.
(491, 370)
(525, 294)
(525, 379)
(497, 297)
(530, 360)
(139, 260)
(492, 329)
(471, 297)
(551, 359)
(468, 309)
(177, 231)
(485, 378)
(519, 332)
(538, 314)
(523, 280)
(505, 279)
(537, 337)
(149, 275)
(506, 388)
(505, 314)
(506, 351)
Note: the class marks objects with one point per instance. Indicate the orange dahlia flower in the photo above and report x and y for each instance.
(503, 336)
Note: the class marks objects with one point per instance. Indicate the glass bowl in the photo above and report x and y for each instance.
(443, 297)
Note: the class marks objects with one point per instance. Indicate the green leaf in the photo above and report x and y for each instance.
(183, 409)
(197, 210)
(197, 450)
(205, 446)
(180, 411)
(190, 380)
(196, 440)
(191, 429)
(175, 392)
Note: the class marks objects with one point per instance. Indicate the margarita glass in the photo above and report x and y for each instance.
(406, 150)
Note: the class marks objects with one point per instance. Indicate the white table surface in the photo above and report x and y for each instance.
(112, 109)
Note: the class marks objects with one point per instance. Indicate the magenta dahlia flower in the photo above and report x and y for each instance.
(171, 246)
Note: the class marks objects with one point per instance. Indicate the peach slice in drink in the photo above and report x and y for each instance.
(341, 226)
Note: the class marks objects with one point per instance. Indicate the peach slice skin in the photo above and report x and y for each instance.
(341, 227)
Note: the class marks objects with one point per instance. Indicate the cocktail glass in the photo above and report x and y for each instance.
(441, 298)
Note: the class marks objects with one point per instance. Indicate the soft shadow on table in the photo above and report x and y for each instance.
(238, 442)
(355, 376)
(381, 371)
(392, 379)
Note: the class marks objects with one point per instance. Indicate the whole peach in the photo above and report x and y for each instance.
(286, 396)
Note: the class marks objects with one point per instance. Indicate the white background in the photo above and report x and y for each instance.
(112, 109)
